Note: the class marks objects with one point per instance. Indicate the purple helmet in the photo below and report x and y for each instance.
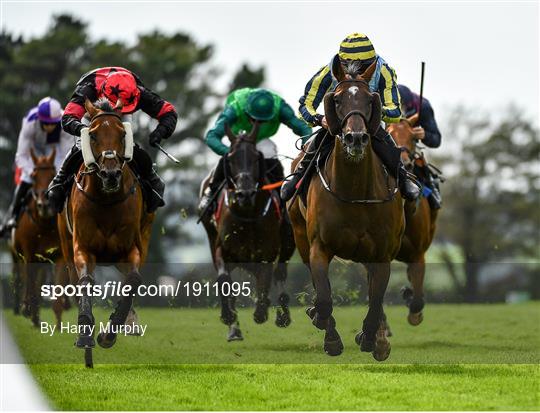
(49, 110)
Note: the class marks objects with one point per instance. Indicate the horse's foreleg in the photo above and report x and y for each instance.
(229, 315)
(85, 264)
(416, 272)
(16, 286)
(61, 277)
(263, 276)
(321, 314)
(373, 337)
(283, 316)
(117, 319)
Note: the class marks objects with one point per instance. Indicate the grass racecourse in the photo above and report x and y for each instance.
(463, 357)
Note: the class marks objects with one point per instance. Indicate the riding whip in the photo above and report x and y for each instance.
(423, 67)
(167, 154)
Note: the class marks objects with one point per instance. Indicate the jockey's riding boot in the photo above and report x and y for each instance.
(216, 178)
(15, 208)
(408, 184)
(434, 198)
(291, 182)
(390, 155)
(60, 185)
(158, 189)
(142, 164)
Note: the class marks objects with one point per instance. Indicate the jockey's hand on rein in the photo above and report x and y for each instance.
(419, 133)
(156, 136)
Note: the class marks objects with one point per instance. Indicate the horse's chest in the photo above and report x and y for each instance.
(250, 243)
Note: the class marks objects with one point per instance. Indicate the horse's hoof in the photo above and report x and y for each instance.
(260, 315)
(415, 319)
(283, 317)
(85, 342)
(365, 345)
(234, 334)
(106, 340)
(407, 294)
(333, 346)
(382, 347)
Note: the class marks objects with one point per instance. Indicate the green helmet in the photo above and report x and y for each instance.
(260, 105)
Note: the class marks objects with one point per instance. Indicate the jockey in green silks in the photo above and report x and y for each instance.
(242, 108)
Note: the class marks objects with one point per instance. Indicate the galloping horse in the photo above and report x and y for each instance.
(35, 243)
(353, 211)
(249, 231)
(420, 222)
(105, 220)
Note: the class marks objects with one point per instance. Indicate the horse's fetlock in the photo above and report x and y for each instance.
(324, 309)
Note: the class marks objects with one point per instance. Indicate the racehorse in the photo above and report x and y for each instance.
(249, 231)
(420, 222)
(105, 221)
(35, 243)
(353, 210)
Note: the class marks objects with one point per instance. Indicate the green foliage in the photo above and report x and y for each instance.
(492, 195)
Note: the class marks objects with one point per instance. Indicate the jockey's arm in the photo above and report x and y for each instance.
(158, 108)
(23, 158)
(75, 110)
(215, 135)
(314, 93)
(427, 121)
(388, 91)
(298, 126)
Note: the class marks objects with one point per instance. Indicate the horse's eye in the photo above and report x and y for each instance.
(93, 136)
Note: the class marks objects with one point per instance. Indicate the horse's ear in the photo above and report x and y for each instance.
(254, 131)
(33, 156)
(337, 69)
(376, 113)
(368, 73)
(331, 115)
(229, 133)
(90, 108)
(119, 105)
(413, 120)
(50, 158)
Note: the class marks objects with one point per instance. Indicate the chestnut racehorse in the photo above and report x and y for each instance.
(353, 211)
(420, 222)
(249, 231)
(35, 243)
(105, 221)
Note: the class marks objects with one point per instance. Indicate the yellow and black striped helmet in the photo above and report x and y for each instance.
(356, 46)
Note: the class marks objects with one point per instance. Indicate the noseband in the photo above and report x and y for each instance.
(355, 112)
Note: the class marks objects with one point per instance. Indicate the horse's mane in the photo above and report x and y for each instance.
(354, 68)
(104, 104)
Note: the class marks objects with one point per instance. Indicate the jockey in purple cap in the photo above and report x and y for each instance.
(41, 132)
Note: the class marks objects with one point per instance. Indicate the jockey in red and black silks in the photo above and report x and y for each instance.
(115, 83)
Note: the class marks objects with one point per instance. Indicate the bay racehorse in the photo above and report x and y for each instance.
(352, 210)
(105, 220)
(35, 243)
(420, 221)
(249, 230)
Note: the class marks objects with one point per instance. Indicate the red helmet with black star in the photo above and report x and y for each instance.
(124, 86)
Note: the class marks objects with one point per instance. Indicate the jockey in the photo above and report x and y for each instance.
(243, 106)
(115, 83)
(41, 132)
(356, 48)
(427, 131)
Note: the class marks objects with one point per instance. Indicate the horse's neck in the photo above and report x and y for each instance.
(353, 180)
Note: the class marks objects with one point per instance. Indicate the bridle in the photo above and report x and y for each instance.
(354, 112)
(232, 180)
(108, 154)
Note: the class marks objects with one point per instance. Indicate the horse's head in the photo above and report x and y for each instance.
(42, 175)
(403, 134)
(107, 144)
(352, 112)
(243, 164)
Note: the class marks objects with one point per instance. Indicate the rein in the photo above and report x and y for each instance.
(95, 200)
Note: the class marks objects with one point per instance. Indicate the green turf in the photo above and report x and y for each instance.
(463, 357)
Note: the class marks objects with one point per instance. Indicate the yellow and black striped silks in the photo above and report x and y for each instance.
(356, 46)
(384, 82)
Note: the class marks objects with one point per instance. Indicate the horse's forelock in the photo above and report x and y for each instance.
(104, 104)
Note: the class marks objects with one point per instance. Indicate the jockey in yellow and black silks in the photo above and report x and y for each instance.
(356, 49)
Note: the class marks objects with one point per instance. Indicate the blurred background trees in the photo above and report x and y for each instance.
(491, 197)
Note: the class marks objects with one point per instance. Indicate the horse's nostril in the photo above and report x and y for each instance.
(364, 139)
(349, 138)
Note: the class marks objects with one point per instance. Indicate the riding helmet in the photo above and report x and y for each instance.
(260, 105)
(122, 85)
(49, 110)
